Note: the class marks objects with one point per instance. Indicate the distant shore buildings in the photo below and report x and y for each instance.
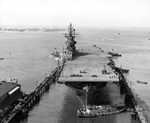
(32, 29)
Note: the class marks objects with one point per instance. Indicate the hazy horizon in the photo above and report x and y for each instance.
(65, 27)
(81, 13)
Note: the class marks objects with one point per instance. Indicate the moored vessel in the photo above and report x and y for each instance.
(99, 85)
(90, 73)
(142, 82)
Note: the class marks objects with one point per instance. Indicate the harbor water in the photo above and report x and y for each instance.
(27, 58)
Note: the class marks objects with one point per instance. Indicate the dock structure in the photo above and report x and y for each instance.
(137, 112)
(21, 109)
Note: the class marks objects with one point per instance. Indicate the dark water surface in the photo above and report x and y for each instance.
(30, 61)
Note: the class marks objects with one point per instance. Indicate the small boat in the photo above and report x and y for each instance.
(124, 70)
(55, 53)
(114, 54)
(142, 82)
(11, 80)
(1, 58)
(98, 111)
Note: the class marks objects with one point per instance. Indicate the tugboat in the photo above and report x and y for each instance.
(56, 55)
(124, 70)
(98, 111)
(114, 54)
(142, 82)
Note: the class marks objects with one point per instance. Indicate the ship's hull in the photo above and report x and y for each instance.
(98, 93)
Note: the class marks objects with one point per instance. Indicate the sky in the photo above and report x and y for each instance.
(84, 13)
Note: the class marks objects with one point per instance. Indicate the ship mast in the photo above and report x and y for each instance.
(10, 65)
(85, 100)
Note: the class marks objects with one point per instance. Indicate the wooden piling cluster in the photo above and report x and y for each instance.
(20, 110)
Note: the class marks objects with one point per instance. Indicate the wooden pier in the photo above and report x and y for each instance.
(21, 110)
(137, 112)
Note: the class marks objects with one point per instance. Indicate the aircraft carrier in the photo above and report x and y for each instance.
(92, 74)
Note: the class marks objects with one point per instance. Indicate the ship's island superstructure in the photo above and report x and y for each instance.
(89, 72)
